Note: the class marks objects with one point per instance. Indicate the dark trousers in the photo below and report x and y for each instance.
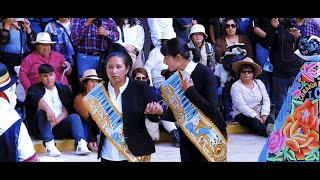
(188, 151)
(254, 124)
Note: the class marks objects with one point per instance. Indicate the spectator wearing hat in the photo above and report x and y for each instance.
(250, 100)
(197, 38)
(154, 65)
(16, 144)
(52, 103)
(88, 81)
(231, 37)
(43, 54)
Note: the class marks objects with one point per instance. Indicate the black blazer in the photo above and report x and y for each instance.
(203, 95)
(134, 100)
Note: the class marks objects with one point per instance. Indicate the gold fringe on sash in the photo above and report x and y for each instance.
(201, 131)
(109, 121)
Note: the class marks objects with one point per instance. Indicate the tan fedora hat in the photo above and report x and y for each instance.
(90, 74)
(249, 61)
(43, 38)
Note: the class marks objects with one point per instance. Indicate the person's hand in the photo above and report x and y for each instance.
(129, 47)
(295, 32)
(67, 63)
(93, 146)
(153, 108)
(102, 31)
(89, 21)
(264, 118)
(7, 22)
(186, 83)
(51, 116)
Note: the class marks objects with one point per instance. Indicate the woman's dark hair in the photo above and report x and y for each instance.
(236, 21)
(177, 46)
(83, 85)
(120, 55)
(142, 71)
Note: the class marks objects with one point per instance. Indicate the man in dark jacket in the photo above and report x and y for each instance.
(53, 102)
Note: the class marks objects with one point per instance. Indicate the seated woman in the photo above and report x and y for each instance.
(250, 100)
(88, 81)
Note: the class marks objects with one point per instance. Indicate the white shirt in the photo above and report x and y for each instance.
(51, 97)
(109, 151)
(132, 35)
(244, 98)
(154, 65)
(186, 73)
(157, 26)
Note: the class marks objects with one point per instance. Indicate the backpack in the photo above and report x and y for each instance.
(236, 52)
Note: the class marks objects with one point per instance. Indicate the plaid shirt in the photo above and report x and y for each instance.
(311, 27)
(86, 37)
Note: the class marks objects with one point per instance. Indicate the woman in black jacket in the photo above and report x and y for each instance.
(134, 100)
(199, 86)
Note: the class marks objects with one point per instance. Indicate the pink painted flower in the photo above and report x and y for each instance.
(276, 142)
(296, 93)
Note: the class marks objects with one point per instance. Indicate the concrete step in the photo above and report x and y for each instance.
(68, 144)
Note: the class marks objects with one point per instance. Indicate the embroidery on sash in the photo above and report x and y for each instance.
(109, 120)
(201, 131)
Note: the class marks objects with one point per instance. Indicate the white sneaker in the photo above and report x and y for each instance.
(51, 149)
(82, 148)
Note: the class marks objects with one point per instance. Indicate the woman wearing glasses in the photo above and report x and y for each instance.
(231, 36)
(250, 100)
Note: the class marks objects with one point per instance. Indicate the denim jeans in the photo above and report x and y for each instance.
(71, 123)
(86, 62)
(280, 90)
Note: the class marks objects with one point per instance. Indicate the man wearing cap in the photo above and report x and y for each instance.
(15, 142)
(55, 118)
(43, 54)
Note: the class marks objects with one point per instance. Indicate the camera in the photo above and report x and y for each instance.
(97, 22)
(288, 22)
(19, 19)
(64, 65)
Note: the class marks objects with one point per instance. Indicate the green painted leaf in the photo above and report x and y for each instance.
(291, 156)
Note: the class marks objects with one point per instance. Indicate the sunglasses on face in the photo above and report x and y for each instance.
(249, 71)
(141, 78)
(230, 25)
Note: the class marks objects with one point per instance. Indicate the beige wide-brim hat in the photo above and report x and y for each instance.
(247, 60)
(43, 38)
(196, 29)
(90, 74)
